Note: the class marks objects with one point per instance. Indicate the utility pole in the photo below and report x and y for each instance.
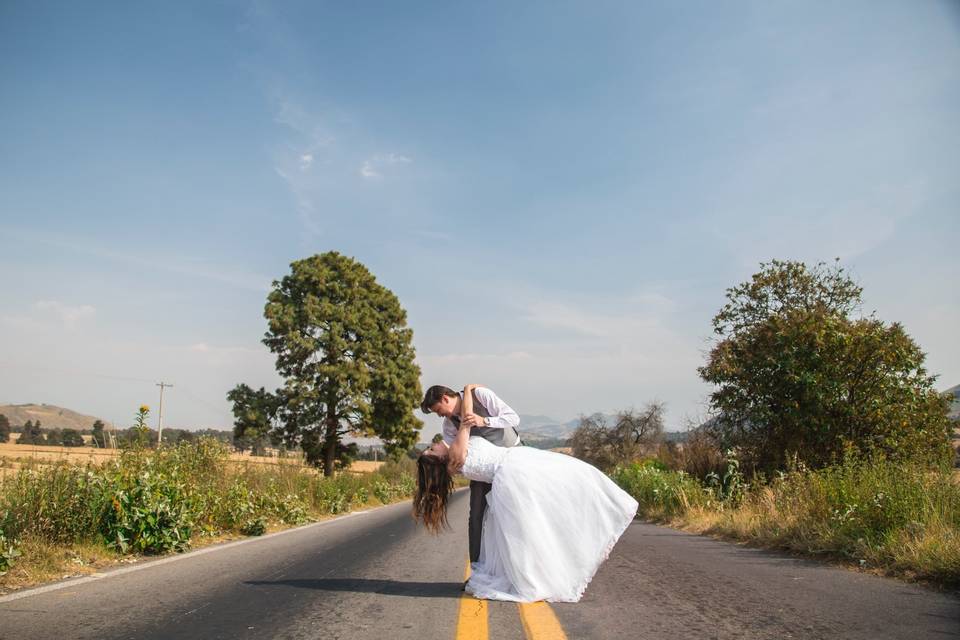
(160, 413)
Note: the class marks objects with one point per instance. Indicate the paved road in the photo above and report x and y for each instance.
(374, 575)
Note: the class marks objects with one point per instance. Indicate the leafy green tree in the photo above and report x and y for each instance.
(798, 377)
(220, 435)
(31, 434)
(255, 415)
(99, 437)
(71, 438)
(26, 433)
(54, 437)
(4, 428)
(343, 346)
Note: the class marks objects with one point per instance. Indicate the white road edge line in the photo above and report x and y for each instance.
(72, 582)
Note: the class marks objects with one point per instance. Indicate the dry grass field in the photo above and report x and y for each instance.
(13, 456)
(366, 466)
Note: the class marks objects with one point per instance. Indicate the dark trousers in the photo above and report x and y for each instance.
(478, 504)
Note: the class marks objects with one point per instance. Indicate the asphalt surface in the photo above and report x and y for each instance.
(375, 575)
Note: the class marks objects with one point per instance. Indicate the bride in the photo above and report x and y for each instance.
(551, 519)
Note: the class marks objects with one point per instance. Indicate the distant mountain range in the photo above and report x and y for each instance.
(534, 428)
(49, 415)
(537, 427)
(955, 405)
(547, 428)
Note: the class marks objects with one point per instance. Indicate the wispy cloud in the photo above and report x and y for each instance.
(316, 161)
(67, 314)
(306, 210)
(312, 147)
(367, 170)
(562, 353)
(431, 234)
(815, 229)
(183, 265)
(474, 358)
(373, 167)
(47, 314)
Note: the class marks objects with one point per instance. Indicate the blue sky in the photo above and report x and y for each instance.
(559, 193)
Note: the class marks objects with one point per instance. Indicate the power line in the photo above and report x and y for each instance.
(10, 366)
(162, 385)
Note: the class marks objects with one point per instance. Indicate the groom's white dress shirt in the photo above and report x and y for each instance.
(501, 415)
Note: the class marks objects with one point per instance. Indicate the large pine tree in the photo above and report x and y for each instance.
(342, 344)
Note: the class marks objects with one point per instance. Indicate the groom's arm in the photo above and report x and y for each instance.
(501, 415)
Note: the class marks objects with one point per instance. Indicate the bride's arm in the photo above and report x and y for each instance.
(467, 417)
(458, 450)
(466, 407)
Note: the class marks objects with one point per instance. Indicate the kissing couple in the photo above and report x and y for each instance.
(541, 523)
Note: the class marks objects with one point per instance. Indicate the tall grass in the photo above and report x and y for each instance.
(899, 518)
(154, 501)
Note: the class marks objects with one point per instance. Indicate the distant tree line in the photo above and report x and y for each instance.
(33, 433)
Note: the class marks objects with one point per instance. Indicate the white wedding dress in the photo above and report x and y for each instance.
(550, 522)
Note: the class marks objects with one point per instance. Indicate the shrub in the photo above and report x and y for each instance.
(661, 493)
(146, 511)
(798, 375)
(8, 553)
(58, 503)
(632, 435)
(254, 527)
(700, 455)
(152, 501)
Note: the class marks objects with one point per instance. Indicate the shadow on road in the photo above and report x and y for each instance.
(361, 585)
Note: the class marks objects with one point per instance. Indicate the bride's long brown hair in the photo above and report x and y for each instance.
(434, 486)
(434, 482)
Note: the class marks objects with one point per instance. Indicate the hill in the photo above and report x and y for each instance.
(955, 406)
(546, 428)
(535, 429)
(49, 415)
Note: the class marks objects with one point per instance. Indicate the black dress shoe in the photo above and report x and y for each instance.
(464, 587)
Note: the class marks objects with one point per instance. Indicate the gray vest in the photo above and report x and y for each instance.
(507, 437)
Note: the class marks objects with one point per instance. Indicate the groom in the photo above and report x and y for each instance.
(491, 419)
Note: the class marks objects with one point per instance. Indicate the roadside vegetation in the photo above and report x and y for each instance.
(827, 435)
(898, 518)
(59, 518)
(346, 354)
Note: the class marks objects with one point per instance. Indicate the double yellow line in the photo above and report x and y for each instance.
(539, 620)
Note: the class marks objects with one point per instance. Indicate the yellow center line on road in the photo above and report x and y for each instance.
(472, 622)
(540, 622)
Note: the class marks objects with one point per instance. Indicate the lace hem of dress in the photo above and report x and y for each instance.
(606, 554)
(482, 594)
